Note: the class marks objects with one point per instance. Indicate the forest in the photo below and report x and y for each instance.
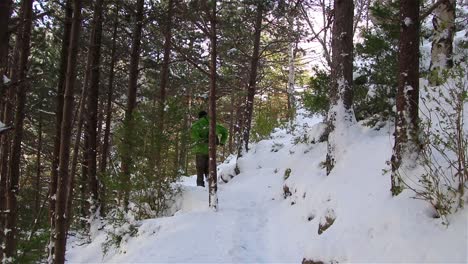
(98, 99)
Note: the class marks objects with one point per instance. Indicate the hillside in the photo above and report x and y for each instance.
(259, 221)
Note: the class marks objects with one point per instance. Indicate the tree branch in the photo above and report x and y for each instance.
(431, 9)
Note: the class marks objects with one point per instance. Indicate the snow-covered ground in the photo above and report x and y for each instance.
(256, 223)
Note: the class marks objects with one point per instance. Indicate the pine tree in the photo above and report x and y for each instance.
(340, 114)
(131, 104)
(58, 121)
(407, 100)
(92, 109)
(61, 223)
(212, 180)
(14, 162)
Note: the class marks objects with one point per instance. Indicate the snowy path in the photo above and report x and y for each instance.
(241, 231)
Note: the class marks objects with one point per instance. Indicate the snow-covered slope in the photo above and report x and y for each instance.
(256, 223)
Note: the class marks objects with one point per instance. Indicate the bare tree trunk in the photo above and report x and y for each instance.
(406, 123)
(131, 104)
(231, 121)
(164, 80)
(442, 41)
(5, 7)
(291, 77)
(213, 186)
(14, 163)
(84, 178)
(110, 91)
(58, 122)
(37, 191)
(66, 131)
(340, 114)
(92, 111)
(7, 115)
(252, 86)
(185, 134)
(76, 149)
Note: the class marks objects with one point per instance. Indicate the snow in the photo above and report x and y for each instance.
(6, 80)
(256, 223)
(407, 21)
(3, 127)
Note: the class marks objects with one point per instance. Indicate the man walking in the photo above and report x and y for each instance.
(199, 134)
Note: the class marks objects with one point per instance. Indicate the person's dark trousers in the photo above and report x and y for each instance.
(202, 168)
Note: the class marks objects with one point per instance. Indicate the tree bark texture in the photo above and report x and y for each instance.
(407, 107)
(5, 7)
(131, 104)
(252, 85)
(92, 109)
(442, 42)
(6, 115)
(76, 150)
(213, 186)
(37, 191)
(164, 81)
(15, 160)
(58, 121)
(66, 131)
(110, 92)
(340, 114)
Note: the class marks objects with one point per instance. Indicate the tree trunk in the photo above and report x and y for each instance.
(76, 149)
(442, 40)
(92, 111)
(66, 131)
(37, 191)
(231, 121)
(252, 86)
(164, 81)
(213, 187)
(131, 104)
(406, 120)
(185, 137)
(58, 122)
(291, 77)
(110, 91)
(84, 205)
(5, 7)
(14, 164)
(340, 114)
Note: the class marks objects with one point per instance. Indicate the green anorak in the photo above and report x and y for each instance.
(199, 133)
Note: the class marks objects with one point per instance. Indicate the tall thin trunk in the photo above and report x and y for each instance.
(66, 131)
(110, 92)
(185, 135)
(131, 104)
(252, 86)
(213, 186)
(7, 118)
(231, 121)
(5, 7)
(291, 78)
(76, 149)
(14, 163)
(164, 81)
(340, 114)
(407, 99)
(84, 178)
(442, 42)
(92, 111)
(58, 122)
(37, 191)
(186, 132)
